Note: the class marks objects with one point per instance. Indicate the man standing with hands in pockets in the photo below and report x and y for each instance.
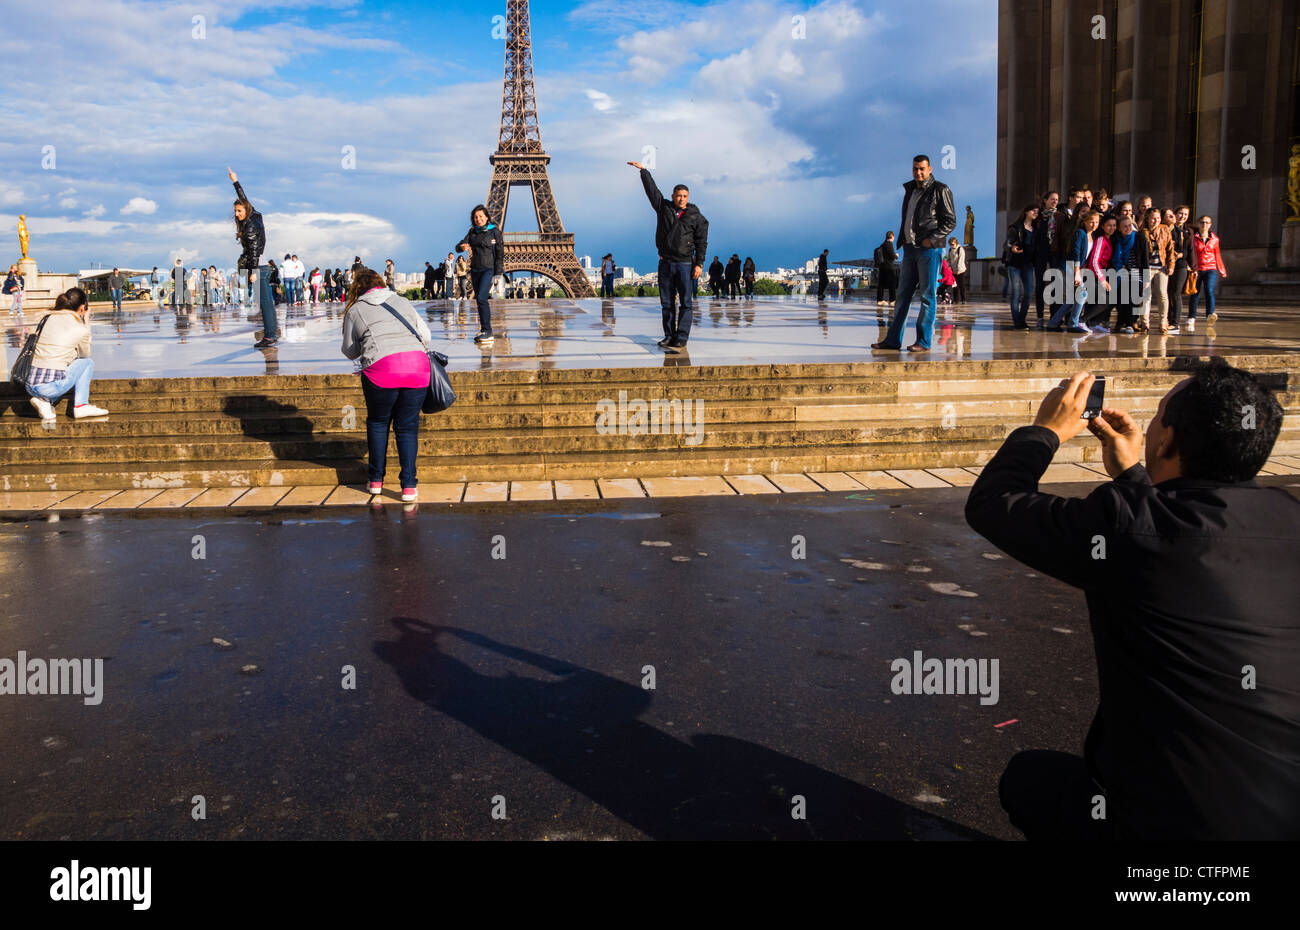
(682, 238)
(928, 218)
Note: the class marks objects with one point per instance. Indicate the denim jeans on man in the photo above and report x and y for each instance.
(607, 285)
(270, 326)
(401, 408)
(1022, 288)
(1205, 282)
(919, 271)
(75, 379)
(675, 282)
(117, 298)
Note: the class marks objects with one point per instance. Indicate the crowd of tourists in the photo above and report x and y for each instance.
(1083, 258)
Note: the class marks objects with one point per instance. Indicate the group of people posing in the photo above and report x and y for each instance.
(1082, 259)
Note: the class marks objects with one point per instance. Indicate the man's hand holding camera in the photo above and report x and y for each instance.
(1062, 413)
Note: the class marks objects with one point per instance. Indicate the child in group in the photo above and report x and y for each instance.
(947, 281)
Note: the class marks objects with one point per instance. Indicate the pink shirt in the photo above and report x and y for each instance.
(401, 369)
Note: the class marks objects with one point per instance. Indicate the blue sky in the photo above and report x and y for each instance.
(789, 144)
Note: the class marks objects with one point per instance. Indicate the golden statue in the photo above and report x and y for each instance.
(970, 226)
(1293, 185)
(22, 233)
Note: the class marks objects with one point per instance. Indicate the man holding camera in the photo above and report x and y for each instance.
(1192, 576)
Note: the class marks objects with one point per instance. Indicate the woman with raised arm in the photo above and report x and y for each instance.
(251, 234)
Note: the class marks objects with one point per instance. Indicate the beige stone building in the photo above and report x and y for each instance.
(1190, 101)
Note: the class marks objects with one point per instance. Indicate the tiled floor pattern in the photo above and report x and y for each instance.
(572, 489)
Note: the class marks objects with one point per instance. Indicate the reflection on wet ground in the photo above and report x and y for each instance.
(621, 333)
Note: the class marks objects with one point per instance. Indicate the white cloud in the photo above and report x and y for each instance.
(139, 205)
(600, 101)
(68, 203)
(96, 211)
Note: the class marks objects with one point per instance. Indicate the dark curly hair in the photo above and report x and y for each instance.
(1226, 422)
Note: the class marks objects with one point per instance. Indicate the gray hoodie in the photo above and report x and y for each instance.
(370, 332)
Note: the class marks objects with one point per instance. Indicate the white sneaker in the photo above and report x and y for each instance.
(1191, 325)
(82, 411)
(44, 408)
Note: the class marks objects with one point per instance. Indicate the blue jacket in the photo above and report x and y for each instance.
(1079, 249)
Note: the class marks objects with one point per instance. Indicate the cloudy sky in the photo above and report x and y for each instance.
(793, 123)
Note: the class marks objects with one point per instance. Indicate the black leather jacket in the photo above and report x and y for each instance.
(251, 236)
(678, 239)
(934, 218)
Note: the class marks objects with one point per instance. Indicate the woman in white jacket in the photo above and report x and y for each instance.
(62, 361)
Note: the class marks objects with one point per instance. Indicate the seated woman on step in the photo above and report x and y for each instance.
(62, 361)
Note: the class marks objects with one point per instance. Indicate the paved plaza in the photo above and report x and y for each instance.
(561, 333)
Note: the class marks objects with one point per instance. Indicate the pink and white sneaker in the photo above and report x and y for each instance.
(409, 494)
(376, 487)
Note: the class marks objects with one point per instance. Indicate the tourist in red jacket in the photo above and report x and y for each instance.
(1208, 265)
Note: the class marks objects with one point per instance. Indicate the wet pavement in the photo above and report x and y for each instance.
(592, 333)
(518, 683)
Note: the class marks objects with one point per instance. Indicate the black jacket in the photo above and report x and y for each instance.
(1025, 239)
(934, 218)
(1182, 238)
(1057, 245)
(821, 265)
(716, 271)
(489, 248)
(1199, 580)
(683, 238)
(732, 272)
(251, 235)
(430, 275)
(885, 254)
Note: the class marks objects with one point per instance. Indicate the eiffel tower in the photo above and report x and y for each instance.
(519, 161)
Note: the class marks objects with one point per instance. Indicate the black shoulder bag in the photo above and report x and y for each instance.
(22, 369)
(440, 396)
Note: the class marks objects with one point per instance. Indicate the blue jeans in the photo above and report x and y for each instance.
(482, 283)
(401, 408)
(117, 298)
(75, 379)
(919, 270)
(675, 281)
(1022, 287)
(1074, 308)
(270, 326)
(607, 285)
(1205, 282)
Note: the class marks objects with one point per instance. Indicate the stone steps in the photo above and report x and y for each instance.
(278, 420)
(541, 424)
